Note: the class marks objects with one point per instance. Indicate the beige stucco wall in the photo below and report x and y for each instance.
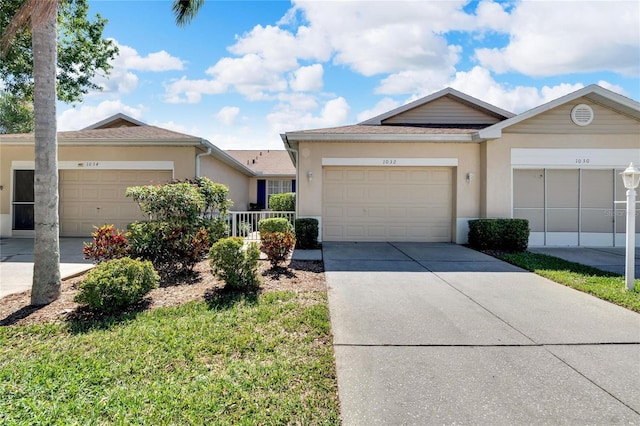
(183, 159)
(237, 181)
(497, 169)
(466, 194)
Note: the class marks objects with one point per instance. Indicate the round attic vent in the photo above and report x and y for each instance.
(582, 115)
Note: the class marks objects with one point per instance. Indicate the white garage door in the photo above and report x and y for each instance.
(91, 198)
(387, 204)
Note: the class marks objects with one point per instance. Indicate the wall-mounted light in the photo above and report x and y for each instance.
(310, 175)
(470, 177)
(1, 187)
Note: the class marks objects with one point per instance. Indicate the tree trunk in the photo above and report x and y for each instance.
(46, 268)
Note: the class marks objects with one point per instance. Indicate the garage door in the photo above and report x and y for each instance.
(91, 198)
(387, 204)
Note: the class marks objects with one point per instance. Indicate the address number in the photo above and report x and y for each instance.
(583, 160)
(388, 162)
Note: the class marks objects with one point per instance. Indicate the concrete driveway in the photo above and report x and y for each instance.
(441, 334)
(16, 262)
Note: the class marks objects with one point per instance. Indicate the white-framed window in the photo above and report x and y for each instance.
(278, 187)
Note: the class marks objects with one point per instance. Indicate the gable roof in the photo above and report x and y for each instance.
(116, 120)
(265, 162)
(593, 92)
(448, 92)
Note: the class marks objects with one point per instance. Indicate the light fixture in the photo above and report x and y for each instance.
(470, 177)
(631, 179)
(310, 175)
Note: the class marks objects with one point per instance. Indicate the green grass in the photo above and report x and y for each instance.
(248, 360)
(604, 285)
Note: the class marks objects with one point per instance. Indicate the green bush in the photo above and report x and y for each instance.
(306, 233)
(173, 248)
(238, 268)
(285, 202)
(116, 284)
(175, 202)
(217, 228)
(277, 246)
(274, 224)
(511, 235)
(108, 243)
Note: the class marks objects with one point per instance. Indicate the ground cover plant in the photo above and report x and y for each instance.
(220, 358)
(604, 285)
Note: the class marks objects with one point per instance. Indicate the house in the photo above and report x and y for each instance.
(274, 174)
(422, 171)
(98, 163)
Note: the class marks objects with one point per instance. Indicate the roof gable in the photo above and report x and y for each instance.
(593, 93)
(116, 121)
(446, 107)
(265, 162)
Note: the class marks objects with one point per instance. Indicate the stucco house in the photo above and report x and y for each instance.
(422, 171)
(98, 163)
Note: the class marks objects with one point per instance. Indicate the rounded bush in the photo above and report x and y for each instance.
(277, 246)
(116, 284)
(306, 233)
(274, 224)
(237, 267)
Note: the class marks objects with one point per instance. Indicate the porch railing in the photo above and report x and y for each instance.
(245, 224)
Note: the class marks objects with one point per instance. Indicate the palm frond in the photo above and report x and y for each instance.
(36, 11)
(186, 10)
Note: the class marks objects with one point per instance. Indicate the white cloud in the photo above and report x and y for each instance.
(307, 79)
(550, 38)
(227, 115)
(79, 118)
(188, 91)
(129, 59)
(284, 118)
(384, 105)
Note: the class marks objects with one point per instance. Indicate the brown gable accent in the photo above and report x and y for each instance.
(445, 110)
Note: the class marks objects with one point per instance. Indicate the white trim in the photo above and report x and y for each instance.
(100, 165)
(390, 162)
(573, 158)
(381, 137)
(5, 225)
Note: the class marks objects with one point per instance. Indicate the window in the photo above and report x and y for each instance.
(278, 187)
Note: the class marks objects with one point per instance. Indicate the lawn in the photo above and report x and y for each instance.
(604, 285)
(229, 359)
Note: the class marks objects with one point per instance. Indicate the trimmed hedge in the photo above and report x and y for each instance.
(285, 202)
(237, 267)
(274, 224)
(115, 284)
(306, 233)
(511, 235)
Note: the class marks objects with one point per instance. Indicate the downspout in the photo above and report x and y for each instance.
(295, 152)
(203, 154)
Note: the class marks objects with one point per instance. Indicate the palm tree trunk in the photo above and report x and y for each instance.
(46, 269)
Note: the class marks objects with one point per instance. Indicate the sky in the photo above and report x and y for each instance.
(243, 72)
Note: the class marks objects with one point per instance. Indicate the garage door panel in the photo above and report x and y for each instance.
(387, 204)
(91, 198)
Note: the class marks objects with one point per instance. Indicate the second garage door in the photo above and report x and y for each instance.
(91, 198)
(387, 204)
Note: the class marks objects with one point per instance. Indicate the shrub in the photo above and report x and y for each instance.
(108, 243)
(274, 224)
(238, 268)
(511, 235)
(177, 202)
(217, 228)
(172, 248)
(306, 233)
(277, 246)
(285, 202)
(116, 284)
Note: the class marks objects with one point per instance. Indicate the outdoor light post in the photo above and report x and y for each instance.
(631, 179)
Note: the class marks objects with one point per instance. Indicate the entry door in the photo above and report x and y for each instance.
(23, 200)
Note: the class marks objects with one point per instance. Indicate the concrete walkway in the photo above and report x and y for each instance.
(441, 334)
(16, 262)
(610, 259)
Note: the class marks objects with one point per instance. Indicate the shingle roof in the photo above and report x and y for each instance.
(265, 162)
(364, 129)
(119, 134)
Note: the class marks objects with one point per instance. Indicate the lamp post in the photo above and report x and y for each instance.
(631, 179)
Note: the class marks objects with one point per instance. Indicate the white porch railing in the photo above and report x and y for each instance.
(245, 224)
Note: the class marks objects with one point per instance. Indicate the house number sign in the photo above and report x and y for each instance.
(389, 162)
(583, 160)
(89, 164)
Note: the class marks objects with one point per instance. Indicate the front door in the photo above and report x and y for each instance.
(23, 200)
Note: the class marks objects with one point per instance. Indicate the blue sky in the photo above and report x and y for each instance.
(245, 71)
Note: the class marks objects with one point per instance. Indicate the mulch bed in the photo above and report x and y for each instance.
(299, 276)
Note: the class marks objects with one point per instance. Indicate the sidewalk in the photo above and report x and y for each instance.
(16, 262)
(610, 259)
